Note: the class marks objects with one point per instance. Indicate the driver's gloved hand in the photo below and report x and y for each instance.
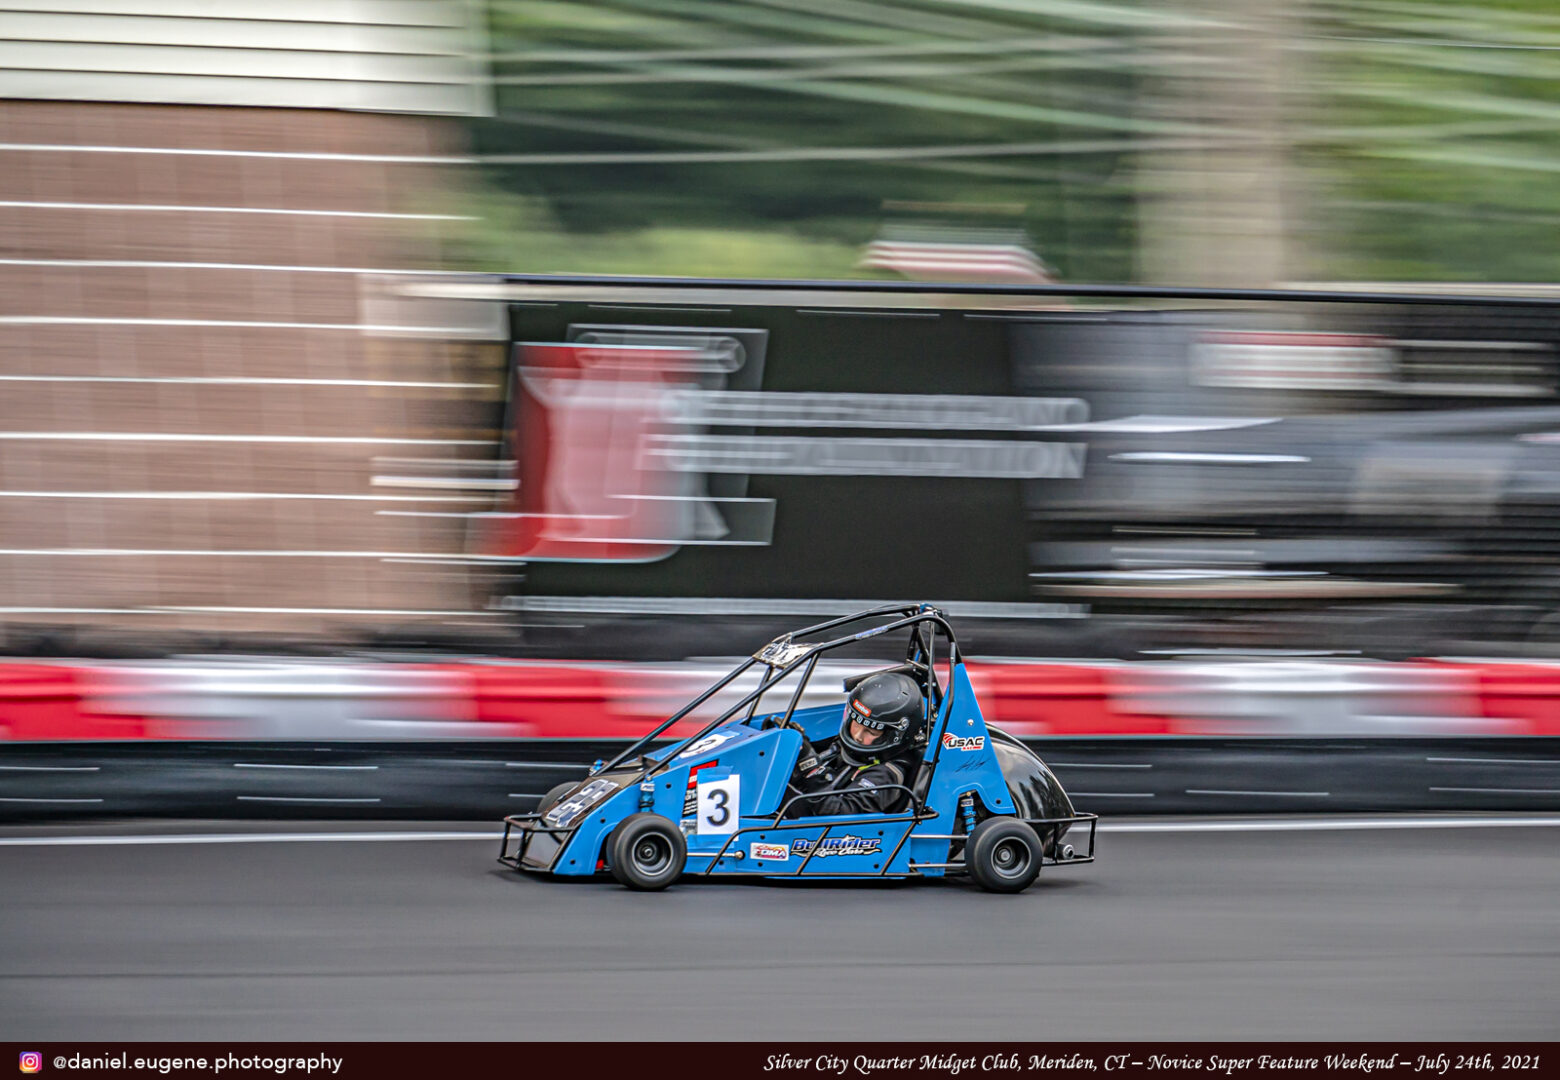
(808, 760)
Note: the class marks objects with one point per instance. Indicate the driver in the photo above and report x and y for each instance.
(876, 747)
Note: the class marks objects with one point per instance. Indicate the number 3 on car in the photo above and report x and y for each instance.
(973, 800)
(718, 802)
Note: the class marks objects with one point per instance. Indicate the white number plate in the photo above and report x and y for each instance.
(718, 803)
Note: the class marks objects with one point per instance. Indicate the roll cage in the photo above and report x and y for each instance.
(791, 651)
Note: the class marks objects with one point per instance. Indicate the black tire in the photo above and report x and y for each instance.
(646, 852)
(1003, 855)
(551, 798)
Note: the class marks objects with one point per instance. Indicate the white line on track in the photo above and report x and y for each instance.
(241, 838)
(1495, 761)
(1296, 794)
(1287, 825)
(1094, 765)
(1331, 824)
(301, 799)
(267, 765)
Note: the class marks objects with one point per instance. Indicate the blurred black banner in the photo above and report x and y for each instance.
(1367, 478)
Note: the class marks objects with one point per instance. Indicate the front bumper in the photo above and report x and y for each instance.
(530, 845)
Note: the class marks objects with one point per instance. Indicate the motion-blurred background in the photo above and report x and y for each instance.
(290, 447)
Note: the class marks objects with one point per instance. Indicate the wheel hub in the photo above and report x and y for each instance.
(652, 853)
(1010, 858)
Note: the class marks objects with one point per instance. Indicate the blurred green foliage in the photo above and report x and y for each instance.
(1435, 139)
(778, 137)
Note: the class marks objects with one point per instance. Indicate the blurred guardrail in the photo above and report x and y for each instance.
(437, 779)
(229, 737)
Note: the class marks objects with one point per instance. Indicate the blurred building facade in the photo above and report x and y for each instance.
(195, 389)
(241, 397)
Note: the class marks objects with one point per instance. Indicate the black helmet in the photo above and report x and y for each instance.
(888, 705)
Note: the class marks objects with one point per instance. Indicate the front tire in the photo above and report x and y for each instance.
(1003, 855)
(646, 852)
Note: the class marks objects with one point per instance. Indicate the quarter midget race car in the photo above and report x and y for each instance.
(722, 801)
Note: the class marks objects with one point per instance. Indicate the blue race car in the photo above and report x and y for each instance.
(722, 802)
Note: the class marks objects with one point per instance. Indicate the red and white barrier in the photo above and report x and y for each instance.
(289, 699)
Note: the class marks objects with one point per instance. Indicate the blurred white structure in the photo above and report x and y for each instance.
(410, 56)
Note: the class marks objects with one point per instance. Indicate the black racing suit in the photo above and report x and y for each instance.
(829, 772)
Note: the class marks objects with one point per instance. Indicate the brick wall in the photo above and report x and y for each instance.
(101, 334)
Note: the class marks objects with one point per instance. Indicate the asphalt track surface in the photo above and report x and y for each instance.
(1427, 933)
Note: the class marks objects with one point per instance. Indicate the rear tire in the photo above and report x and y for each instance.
(1003, 855)
(646, 852)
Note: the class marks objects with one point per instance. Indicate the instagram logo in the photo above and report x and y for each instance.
(31, 1061)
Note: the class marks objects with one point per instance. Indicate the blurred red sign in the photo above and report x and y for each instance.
(583, 412)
